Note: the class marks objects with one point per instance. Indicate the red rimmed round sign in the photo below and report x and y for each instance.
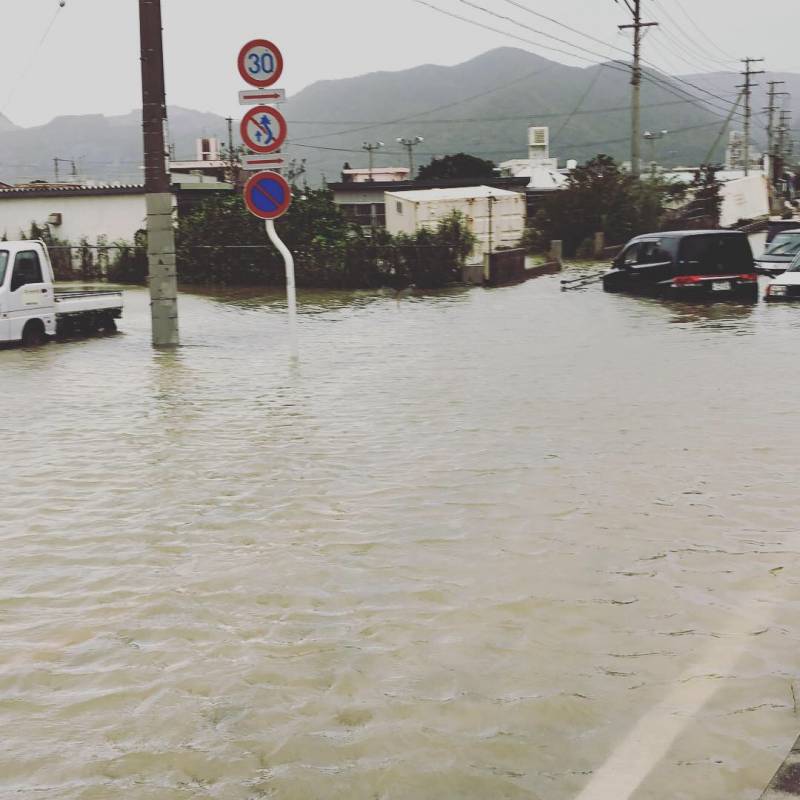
(267, 195)
(260, 63)
(263, 129)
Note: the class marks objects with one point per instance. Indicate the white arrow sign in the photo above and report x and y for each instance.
(262, 97)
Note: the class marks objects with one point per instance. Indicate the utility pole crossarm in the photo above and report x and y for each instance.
(635, 7)
(747, 88)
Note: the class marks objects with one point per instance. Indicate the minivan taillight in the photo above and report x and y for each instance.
(750, 277)
(686, 280)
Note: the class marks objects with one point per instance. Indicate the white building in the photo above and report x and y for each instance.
(538, 166)
(73, 213)
(495, 216)
(207, 165)
(378, 174)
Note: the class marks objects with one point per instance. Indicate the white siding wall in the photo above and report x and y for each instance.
(113, 216)
(508, 218)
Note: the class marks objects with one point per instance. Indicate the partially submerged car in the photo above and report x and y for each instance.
(779, 253)
(786, 286)
(690, 265)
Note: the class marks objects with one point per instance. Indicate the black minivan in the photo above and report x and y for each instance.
(691, 265)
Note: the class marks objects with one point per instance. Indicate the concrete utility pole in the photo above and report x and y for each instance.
(371, 148)
(160, 232)
(747, 88)
(634, 6)
(231, 152)
(410, 144)
(771, 130)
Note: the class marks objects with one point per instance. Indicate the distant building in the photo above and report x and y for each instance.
(379, 174)
(734, 153)
(365, 203)
(541, 170)
(98, 213)
(207, 165)
(495, 216)
(73, 213)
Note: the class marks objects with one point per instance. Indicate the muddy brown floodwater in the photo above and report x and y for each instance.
(484, 544)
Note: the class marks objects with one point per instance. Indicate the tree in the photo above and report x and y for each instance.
(705, 206)
(599, 197)
(459, 166)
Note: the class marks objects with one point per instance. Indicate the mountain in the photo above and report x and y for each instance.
(6, 124)
(103, 148)
(483, 106)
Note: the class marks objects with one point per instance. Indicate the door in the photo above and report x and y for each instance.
(5, 325)
(28, 296)
(645, 264)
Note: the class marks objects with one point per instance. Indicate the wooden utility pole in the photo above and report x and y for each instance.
(747, 88)
(160, 231)
(634, 6)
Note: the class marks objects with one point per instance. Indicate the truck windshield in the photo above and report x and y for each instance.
(3, 265)
(784, 244)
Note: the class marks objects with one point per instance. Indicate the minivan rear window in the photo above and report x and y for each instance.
(3, 265)
(713, 255)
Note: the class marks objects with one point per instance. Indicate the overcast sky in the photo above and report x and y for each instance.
(89, 59)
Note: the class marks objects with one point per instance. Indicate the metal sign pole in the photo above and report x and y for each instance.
(291, 293)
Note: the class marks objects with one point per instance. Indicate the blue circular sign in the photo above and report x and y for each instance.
(267, 195)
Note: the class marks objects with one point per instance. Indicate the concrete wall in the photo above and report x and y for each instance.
(508, 218)
(113, 216)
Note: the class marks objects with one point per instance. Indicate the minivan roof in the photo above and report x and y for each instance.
(687, 234)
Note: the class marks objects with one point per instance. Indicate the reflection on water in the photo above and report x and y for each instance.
(512, 543)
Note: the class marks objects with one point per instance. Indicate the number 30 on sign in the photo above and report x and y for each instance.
(260, 63)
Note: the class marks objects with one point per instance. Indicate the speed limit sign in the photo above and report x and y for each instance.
(260, 63)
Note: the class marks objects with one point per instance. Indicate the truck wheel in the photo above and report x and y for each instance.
(106, 324)
(33, 334)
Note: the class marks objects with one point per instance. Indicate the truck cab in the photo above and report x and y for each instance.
(27, 294)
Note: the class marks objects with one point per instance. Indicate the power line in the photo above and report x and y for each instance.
(571, 44)
(15, 86)
(729, 59)
(576, 110)
(493, 119)
(695, 44)
(620, 66)
(430, 110)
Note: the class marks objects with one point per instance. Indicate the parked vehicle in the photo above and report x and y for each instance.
(786, 286)
(779, 253)
(31, 310)
(776, 225)
(690, 265)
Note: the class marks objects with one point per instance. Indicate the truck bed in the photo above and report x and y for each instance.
(88, 301)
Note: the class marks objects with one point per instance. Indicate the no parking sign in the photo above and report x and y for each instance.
(267, 195)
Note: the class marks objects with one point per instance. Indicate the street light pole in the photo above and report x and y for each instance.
(410, 144)
(160, 232)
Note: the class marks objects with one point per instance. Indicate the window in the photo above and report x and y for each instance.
(3, 265)
(27, 269)
(709, 255)
(399, 207)
(784, 244)
(653, 253)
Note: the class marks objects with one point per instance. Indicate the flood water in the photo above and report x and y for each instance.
(509, 543)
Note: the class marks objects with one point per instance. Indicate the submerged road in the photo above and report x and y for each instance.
(514, 543)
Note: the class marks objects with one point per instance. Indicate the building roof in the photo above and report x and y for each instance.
(452, 193)
(68, 190)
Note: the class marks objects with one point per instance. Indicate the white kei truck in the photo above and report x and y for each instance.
(32, 310)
